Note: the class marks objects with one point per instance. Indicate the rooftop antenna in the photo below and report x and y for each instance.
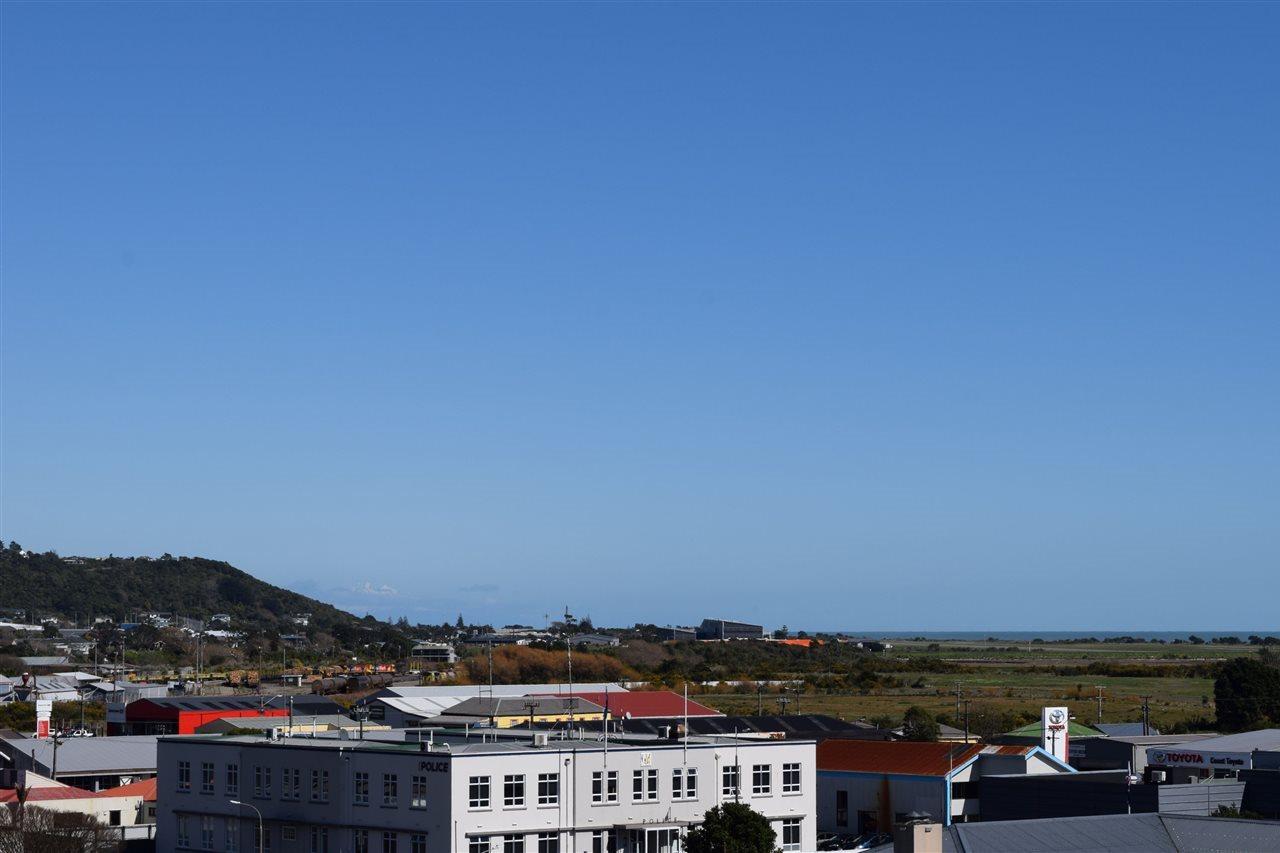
(685, 757)
(569, 651)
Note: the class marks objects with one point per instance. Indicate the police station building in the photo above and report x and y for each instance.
(483, 792)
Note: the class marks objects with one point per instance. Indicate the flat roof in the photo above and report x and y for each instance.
(87, 756)
(1265, 740)
(488, 741)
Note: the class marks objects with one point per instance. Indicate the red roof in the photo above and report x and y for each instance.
(51, 792)
(646, 703)
(145, 789)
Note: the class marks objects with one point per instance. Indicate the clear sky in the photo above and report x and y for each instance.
(839, 316)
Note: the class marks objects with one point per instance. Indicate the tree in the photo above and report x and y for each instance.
(731, 828)
(1247, 695)
(919, 724)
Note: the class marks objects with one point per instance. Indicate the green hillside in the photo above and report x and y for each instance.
(121, 587)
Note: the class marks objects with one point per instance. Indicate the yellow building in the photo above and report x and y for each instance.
(506, 711)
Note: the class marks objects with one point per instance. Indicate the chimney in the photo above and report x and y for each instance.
(917, 834)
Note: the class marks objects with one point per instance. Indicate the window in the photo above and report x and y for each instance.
(360, 789)
(261, 781)
(762, 779)
(390, 789)
(184, 828)
(964, 790)
(265, 847)
(206, 832)
(319, 839)
(842, 808)
(184, 776)
(548, 789)
(362, 841)
(790, 832)
(479, 845)
(548, 842)
(233, 780)
(291, 784)
(513, 844)
(417, 843)
(644, 785)
(478, 793)
(390, 841)
(684, 783)
(319, 786)
(418, 793)
(206, 777)
(604, 786)
(513, 793)
(288, 833)
(603, 841)
(730, 780)
(791, 778)
(231, 837)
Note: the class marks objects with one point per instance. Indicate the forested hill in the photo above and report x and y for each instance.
(122, 587)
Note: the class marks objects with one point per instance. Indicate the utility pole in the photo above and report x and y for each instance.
(1100, 689)
(1146, 715)
(966, 721)
(532, 705)
(783, 702)
(959, 693)
(759, 699)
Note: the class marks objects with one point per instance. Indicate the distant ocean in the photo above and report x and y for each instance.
(1023, 636)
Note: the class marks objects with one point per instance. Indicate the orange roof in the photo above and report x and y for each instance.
(797, 641)
(145, 789)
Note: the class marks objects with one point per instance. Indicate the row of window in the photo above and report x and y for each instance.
(602, 841)
(390, 790)
(644, 785)
(291, 785)
(319, 837)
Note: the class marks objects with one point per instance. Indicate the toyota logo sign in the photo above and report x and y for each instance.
(1056, 716)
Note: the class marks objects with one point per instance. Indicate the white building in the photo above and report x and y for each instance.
(491, 793)
(405, 707)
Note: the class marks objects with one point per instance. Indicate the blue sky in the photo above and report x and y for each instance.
(845, 316)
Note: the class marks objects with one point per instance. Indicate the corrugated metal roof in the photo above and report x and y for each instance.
(1125, 729)
(1124, 833)
(514, 706)
(894, 757)
(90, 755)
(1263, 739)
(645, 703)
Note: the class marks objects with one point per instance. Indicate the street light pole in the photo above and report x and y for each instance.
(261, 847)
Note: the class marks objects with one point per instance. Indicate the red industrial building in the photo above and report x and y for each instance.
(182, 715)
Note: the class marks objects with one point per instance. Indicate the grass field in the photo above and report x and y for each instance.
(1003, 678)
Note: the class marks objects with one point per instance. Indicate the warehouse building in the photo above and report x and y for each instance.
(182, 715)
(1217, 757)
(92, 763)
(727, 629)
(495, 793)
(1128, 753)
(406, 707)
(868, 786)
